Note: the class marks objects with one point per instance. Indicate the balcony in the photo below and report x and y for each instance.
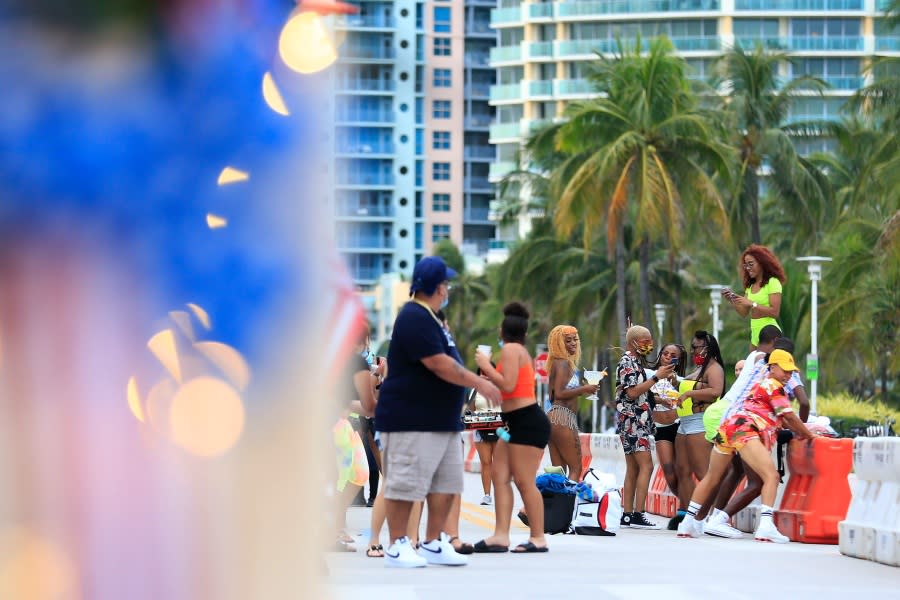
(506, 54)
(378, 117)
(573, 87)
(368, 179)
(571, 48)
(365, 85)
(362, 241)
(374, 147)
(540, 50)
(367, 22)
(803, 43)
(478, 121)
(544, 10)
(479, 29)
(367, 52)
(798, 5)
(887, 44)
(844, 82)
(355, 210)
(504, 131)
(478, 59)
(476, 214)
(484, 152)
(501, 169)
(478, 90)
(615, 7)
(474, 182)
(506, 16)
(771, 43)
(540, 89)
(509, 91)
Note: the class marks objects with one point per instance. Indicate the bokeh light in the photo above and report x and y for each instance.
(34, 567)
(206, 417)
(134, 400)
(228, 360)
(231, 175)
(159, 399)
(272, 96)
(182, 320)
(163, 347)
(215, 221)
(201, 315)
(305, 45)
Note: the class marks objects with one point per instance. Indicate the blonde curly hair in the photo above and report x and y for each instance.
(556, 345)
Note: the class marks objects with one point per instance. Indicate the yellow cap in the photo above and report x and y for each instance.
(783, 359)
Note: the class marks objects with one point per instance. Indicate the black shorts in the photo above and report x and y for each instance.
(528, 426)
(666, 433)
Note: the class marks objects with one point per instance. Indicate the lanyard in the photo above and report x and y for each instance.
(430, 312)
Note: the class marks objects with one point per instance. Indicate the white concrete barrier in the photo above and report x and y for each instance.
(872, 527)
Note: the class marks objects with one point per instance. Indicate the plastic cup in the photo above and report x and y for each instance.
(484, 349)
(593, 377)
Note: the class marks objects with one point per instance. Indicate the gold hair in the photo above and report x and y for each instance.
(556, 345)
(635, 332)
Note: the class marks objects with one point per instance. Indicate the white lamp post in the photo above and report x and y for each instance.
(814, 268)
(715, 296)
(660, 310)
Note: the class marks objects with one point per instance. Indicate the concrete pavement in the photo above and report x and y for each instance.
(634, 564)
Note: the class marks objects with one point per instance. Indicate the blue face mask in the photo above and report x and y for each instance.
(370, 358)
(445, 302)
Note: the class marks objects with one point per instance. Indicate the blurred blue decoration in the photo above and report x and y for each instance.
(129, 150)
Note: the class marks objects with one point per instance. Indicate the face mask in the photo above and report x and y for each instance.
(445, 302)
(698, 360)
(370, 358)
(500, 343)
(645, 350)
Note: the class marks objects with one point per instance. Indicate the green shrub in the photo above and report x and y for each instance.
(854, 411)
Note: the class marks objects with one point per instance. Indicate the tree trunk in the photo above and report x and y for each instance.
(645, 286)
(620, 283)
(677, 325)
(751, 189)
(883, 372)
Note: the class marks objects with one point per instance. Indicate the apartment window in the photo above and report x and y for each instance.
(440, 171)
(440, 202)
(441, 19)
(440, 232)
(440, 140)
(442, 78)
(440, 109)
(442, 46)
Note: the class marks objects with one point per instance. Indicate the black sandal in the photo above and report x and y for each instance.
(527, 547)
(463, 548)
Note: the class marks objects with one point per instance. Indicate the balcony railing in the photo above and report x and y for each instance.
(505, 130)
(386, 147)
(540, 50)
(479, 152)
(889, 44)
(540, 88)
(825, 43)
(365, 85)
(478, 90)
(357, 178)
(499, 170)
(601, 7)
(573, 87)
(364, 241)
(500, 16)
(478, 121)
(798, 5)
(475, 214)
(606, 45)
(509, 91)
(355, 210)
(477, 183)
(478, 59)
(479, 28)
(371, 51)
(365, 116)
(368, 21)
(506, 54)
(543, 10)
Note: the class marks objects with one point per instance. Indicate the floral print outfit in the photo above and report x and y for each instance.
(634, 422)
(758, 418)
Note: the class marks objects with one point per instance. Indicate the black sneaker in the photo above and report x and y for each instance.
(639, 521)
(626, 520)
(675, 521)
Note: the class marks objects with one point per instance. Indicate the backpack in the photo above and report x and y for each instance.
(557, 511)
(600, 517)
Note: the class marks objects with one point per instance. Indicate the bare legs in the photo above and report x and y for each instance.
(486, 458)
(692, 457)
(665, 455)
(565, 450)
(638, 468)
(519, 463)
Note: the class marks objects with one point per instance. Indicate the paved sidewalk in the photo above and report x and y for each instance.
(634, 564)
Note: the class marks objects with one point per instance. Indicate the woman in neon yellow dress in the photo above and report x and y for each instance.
(763, 277)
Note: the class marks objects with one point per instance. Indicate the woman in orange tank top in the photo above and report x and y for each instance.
(529, 430)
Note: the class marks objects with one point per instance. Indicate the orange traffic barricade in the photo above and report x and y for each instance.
(818, 494)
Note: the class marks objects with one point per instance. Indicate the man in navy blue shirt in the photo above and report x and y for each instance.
(418, 419)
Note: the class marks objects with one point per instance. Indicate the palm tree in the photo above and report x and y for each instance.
(758, 102)
(633, 154)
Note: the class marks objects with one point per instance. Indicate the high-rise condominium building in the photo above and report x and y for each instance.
(410, 144)
(543, 48)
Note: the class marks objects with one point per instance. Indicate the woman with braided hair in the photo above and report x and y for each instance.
(564, 352)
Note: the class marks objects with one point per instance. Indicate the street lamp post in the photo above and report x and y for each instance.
(715, 296)
(660, 310)
(814, 268)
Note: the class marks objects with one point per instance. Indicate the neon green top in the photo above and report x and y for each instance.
(773, 286)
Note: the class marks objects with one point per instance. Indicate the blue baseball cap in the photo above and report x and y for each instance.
(429, 273)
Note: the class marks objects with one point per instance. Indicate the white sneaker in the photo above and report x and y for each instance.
(767, 532)
(441, 552)
(690, 527)
(487, 500)
(401, 555)
(723, 530)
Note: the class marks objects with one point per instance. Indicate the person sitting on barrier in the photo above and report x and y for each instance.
(518, 458)
(634, 424)
(665, 419)
(727, 503)
(564, 352)
(749, 431)
(691, 445)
